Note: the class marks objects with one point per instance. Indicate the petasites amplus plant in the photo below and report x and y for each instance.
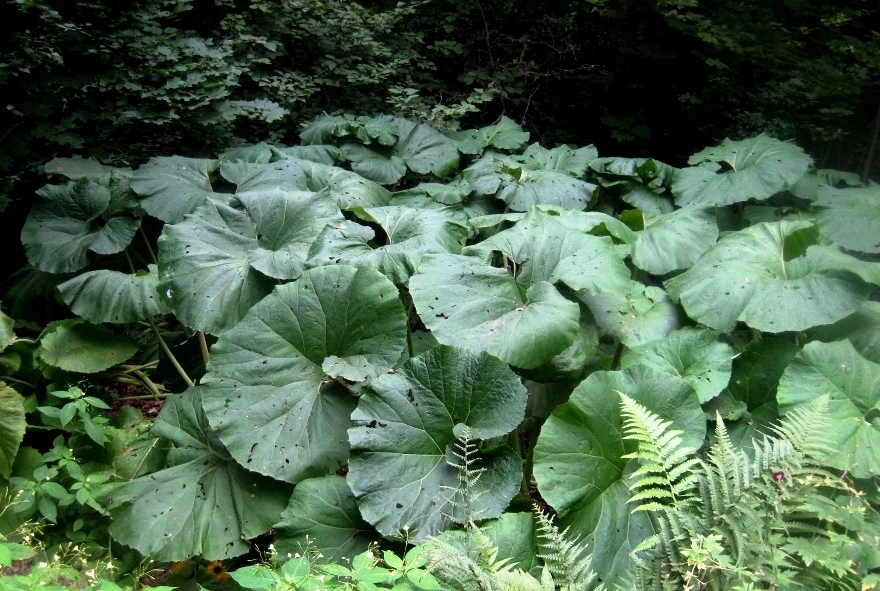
(377, 292)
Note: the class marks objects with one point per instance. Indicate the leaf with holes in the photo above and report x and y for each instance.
(323, 515)
(111, 296)
(635, 315)
(579, 463)
(171, 187)
(221, 260)
(409, 235)
(756, 168)
(12, 427)
(467, 303)
(774, 277)
(77, 345)
(504, 135)
(205, 504)
(406, 425)
(673, 241)
(852, 384)
(693, 354)
(862, 328)
(267, 393)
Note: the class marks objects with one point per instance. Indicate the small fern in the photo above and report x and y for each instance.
(476, 566)
(726, 520)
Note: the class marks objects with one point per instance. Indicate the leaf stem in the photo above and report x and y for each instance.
(203, 346)
(149, 248)
(170, 355)
(618, 353)
(17, 381)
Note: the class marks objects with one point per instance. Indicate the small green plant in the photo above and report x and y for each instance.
(777, 519)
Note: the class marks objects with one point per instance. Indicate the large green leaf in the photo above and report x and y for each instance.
(328, 128)
(76, 168)
(219, 261)
(749, 276)
(380, 165)
(406, 424)
(852, 384)
(579, 463)
(451, 193)
(851, 217)
(756, 168)
(756, 371)
(467, 303)
(347, 189)
(693, 354)
(322, 515)
(862, 328)
(637, 314)
(286, 175)
(322, 154)
(171, 187)
(673, 241)
(73, 222)
(12, 427)
(111, 296)
(7, 334)
(504, 135)
(410, 234)
(204, 505)
(267, 393)
(77, 345)
(537, 177)
(543, 249)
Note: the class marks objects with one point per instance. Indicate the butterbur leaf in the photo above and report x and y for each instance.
(466, 303)
(79, 346)
(329, 128)
(410, 234)
(322, 154)
(562, 158)
(285, 175)
(12, 427)
(756, 168)
(406, 425)
(693, 354)
(256, 153)
(204, 505)
(76, 167)
(580, 465)
(381, 165)
(111, 296)
(218, 262)
(504, 135)
(752, 274)
(673, 241)
(543, 249)
(171, 187)
(266, 393)
(322, 513)
(756, 371)
(852, 384)
(451, 193)
(7, 335)
(637, 314)
(851, 217)
(73, 222)
(345, 188)
(425, 150)
(862, 328)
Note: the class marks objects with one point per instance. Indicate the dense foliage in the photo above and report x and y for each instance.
(342, 329)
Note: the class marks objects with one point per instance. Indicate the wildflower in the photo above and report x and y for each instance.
(778, 476)
(217, 570)
(177, 567)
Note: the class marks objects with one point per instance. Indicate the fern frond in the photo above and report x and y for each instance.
(805, 427)
(567, 560)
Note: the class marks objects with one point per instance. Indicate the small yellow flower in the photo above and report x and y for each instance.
(178, 566)
(217, 571)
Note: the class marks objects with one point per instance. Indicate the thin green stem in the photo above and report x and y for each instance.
(16, 381)
(149, 248)
(21, 340)
(618, 353)
(203, 346)
(170, 355)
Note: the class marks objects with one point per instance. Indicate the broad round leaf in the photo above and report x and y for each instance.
(218, 262)
(323, 515)
(425, 150)
(284, 175)
(12, 427)
(76, 345)
(171, 187)
(757, 168)
(674, 241)
(410, 234)
(321, 154)
(543, 249)
(579, 463)
(266, 393)
(467, 303)
(635, 315)
(851, 217)
(750, 276)
(756, 371)
(852, 384)
(406, 424)
(380, 165)
(345, 188)
(77, 167)
(73, 222)
(7, 335)
(693, 354)
(111, 296)
(862, 328)
(504, 135)
(205, 505)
